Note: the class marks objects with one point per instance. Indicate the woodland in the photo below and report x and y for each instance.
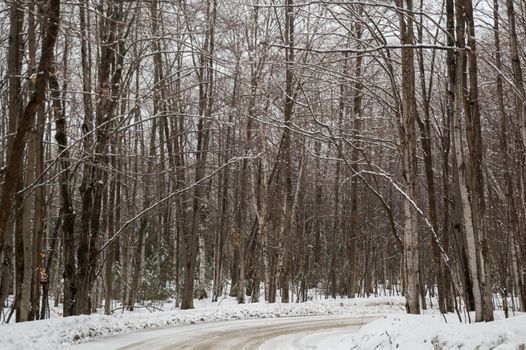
(262, 149)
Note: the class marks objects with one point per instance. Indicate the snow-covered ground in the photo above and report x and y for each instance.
(393, 330)
(62, 332)
(421, 332)
(412, 332)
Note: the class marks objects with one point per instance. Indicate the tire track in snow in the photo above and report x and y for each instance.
(306, 333)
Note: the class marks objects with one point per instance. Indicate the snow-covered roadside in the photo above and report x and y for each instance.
(61, 332)
(421, 332)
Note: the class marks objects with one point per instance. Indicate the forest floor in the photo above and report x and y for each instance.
(318, 324)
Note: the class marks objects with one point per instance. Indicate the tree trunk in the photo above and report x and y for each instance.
(520, 103)
(206, 92)
(426, 141)
(408, 132)
(357, 126)
(15, 158)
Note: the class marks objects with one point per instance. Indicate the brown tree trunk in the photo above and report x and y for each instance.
(95, 177)
(51, 18)
(206, 91)
(66, 213)
(14, 64)
(426, 141)
(355, 155)
(520, 102)
(286, 157)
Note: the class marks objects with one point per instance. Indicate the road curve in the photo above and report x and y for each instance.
(280, 333)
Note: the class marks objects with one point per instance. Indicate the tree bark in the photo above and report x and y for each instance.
(408, 132)
(355, 155)
(206, 92)
(520, 103)
(15, 158)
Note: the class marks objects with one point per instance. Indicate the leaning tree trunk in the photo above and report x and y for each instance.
(15, 156)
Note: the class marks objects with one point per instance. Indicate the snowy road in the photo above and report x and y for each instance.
(309, 333)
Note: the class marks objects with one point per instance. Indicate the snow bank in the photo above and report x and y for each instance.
(61, 332)
(421, 332)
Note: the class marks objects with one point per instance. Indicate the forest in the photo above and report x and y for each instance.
(185, 149)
